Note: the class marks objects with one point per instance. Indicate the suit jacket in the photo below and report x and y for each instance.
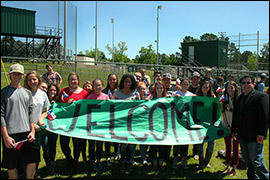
(253, 119)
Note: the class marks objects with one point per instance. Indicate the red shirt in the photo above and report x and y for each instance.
(66, 94)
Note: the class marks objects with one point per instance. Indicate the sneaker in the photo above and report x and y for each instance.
(208, 165)
(116, 160)
(144, 162)
(174, 164)
(134, 163)
(184, 164)
(196, 156)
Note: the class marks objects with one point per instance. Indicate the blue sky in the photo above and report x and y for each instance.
(135, 21)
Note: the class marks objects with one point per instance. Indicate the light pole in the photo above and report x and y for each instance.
(96, 36)
(112, 39)
(158, 8)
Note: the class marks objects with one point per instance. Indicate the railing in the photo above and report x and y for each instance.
(51, 31)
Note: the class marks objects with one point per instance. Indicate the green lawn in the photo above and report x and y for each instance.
(139, 172)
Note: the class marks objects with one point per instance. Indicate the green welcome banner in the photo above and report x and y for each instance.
(163, 121)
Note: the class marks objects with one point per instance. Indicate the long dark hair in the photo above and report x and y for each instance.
(108, 85)
(133, 82)
(209, 93)
(227, 94)
(55, 98)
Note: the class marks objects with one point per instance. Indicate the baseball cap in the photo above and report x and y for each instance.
(208, 69)
(263, 75)
(16, 68)
(195, 74)
(167, 75)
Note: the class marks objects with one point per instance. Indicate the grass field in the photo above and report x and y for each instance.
(142, 172)
(139, 172)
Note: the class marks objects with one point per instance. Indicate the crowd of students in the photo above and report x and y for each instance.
(44, 91)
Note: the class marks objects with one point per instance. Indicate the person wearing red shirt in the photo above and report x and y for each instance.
(71, 94)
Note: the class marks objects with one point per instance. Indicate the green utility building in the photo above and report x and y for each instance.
(19, 22)
(208, 53)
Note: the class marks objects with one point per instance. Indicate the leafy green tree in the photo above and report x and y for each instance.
(264, 58)
(208, 37)
(233, 53)
(252, 62)
(190, 39)
(244, 57)
(100, 54)
(170, 59)
(146, 55)
(119, 53)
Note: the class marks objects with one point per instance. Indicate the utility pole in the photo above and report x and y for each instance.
(65, 31)
(257, 50)
(76, 41)
(96, 35)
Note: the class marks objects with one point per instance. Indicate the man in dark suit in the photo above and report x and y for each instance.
(250, 124)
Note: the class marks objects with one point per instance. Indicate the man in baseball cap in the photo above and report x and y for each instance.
(167, 75)
(18, 124)
(261, 83)
(16, 68)
(195, 82)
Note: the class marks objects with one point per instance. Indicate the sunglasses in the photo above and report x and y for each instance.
(246, 82)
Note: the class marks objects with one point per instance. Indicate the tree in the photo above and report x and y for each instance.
(170, 59)
(264, 58)
(244, 57)
(190, 39)
(92, 53)
(208, 37)
(252, 62)
(146, 56)
(233, 53)
(119, 53)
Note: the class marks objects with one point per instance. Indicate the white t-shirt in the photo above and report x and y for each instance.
(183, 93)
(40, 101)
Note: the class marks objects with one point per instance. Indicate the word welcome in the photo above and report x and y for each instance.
(163, 121)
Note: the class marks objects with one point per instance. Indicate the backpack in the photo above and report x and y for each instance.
(256, 85)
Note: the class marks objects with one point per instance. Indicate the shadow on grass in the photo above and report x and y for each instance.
(83, 171)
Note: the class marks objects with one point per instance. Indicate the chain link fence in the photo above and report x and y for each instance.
(95, 69)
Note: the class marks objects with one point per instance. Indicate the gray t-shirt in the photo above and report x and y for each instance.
(119, 95)
(16, 109)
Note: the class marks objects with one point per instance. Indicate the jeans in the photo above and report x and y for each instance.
(210, 147)
(128, 152)
(143, 150)
(253, 156)
(42, 140)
